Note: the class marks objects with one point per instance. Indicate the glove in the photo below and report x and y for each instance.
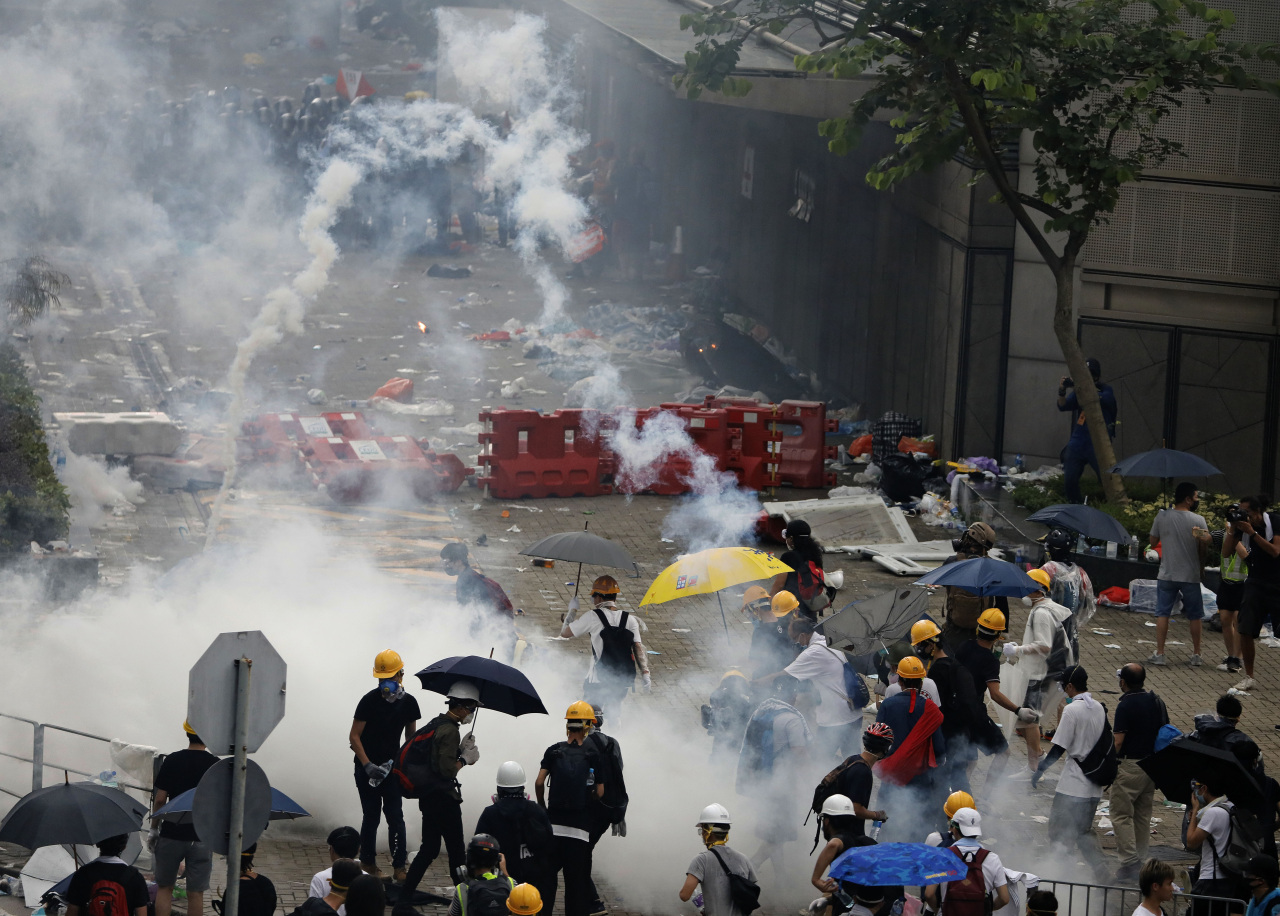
(153, 835)
(1010, 650)
(1035, 779)
(468, 751)
(573, 603)
(1027, 715)
(620, 828)
(648, 683)
(373, 771)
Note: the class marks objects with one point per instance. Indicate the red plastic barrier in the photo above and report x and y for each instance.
(802, 455)
(754, 442)
(525, 453)
(710, 433)
(272, 437)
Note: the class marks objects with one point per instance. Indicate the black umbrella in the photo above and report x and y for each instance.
(582, 547)
(1185, 759)
(1164, 462)
(501, 687)
(867, 626)
(1086, 520)
(77, 813)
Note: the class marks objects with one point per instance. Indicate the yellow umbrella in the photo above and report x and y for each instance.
(710, 571)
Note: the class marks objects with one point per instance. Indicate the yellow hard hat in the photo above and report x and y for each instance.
(911, 667)
(956, 801)
(524, 900)
(580, 709)
(186, 727)
(752, 595)
(922, 630)
(784, 603)
(387, 664)
(605, 585)
(1041, 576)
(733, 672)
(414, 95)
(991, 619)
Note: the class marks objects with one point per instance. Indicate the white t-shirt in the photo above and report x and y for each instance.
(1141, 910)
(1078, 731)
(589, 624)
(1216, 822)
(320, 887)
(825, 667)
(993, 875)
(928, 688)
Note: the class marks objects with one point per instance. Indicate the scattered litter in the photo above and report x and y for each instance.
(1174, 642)
(525, 508)
(448, 273)
(1237, 693)
(667, 541)
(316, 396)
(680, 630)
(1040, 818)
(1103, 632)
(1148, 623)
(1112, 645)
(1104, 822)
(431, 407)
(514, 529)
(492, 336)
(475, 508)
(651, 652)
(482, 540)
(316, 347)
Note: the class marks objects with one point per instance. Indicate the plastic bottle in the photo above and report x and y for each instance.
(698, 900)
(1019, 463)
(376, 781)
(1134, 553)
(844, 897)
(591, 777)
(107, 777)
(875, 829)
(1081, 546)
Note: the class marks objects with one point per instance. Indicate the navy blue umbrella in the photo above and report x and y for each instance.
(913, 864)
(1086, 520)
(501, 687)
(983, 576)
(1164, 462)
(178, 809)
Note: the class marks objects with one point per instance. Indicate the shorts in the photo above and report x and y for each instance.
(1035, 694)
(1167, 593)
(171, 853)
(1261, 600)
(989, 738)
(1230, 596)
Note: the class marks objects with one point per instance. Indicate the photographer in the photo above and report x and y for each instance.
(1079, 450)
(1256, 538)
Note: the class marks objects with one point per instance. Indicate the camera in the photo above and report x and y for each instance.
(1236, 514)
(1068, 383)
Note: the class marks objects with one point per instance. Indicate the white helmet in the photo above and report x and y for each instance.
(511, 776)
(835, 579)
(717, 815)
(837, 806)
(464, 690)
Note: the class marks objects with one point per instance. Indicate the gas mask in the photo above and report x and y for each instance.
(390, 689)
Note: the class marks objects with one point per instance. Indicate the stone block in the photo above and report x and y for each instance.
(144, 433)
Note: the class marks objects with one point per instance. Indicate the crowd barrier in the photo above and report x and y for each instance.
(525, 453)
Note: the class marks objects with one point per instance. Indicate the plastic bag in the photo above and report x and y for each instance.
(860, 446)
(396, 389)
(909, 444)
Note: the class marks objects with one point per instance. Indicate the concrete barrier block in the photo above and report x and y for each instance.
(143, 433)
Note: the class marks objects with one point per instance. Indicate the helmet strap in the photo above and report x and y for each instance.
(713, 837)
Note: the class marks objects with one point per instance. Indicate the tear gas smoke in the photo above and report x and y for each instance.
(95, 489)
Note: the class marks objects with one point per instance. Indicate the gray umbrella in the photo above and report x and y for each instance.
(867, 626)
(584, 548)
(80, 812)
(1091, 522)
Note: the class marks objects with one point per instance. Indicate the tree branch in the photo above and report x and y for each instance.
(1036, 203)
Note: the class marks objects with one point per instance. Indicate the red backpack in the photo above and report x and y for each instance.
(413, 771)
(498, 599)
(968, 896)
(107, 898)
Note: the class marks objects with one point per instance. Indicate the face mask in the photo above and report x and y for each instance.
(1026, 599)
(1195, 504)
(1200, 799)
(471, 714)
(390, 688)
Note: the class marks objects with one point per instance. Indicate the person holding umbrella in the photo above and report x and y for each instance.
(107, 886)
(771, 647)
(616, 649)
(963, 606)
(1069, 584)
(1208, 832)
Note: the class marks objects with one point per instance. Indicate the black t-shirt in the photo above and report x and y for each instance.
(257, 896)
(313, 906)
(980, 662)
(128, 877)
(384, 724)
(180, 772)
(1261, 565)
(771, 647)
(1139, 717)
(793, 559)
(958, 693)
(855, 782)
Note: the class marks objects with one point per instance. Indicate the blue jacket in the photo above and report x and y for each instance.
(897, 714)
(1080, 440)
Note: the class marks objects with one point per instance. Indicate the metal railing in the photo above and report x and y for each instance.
(1076, 899)
(39, 763)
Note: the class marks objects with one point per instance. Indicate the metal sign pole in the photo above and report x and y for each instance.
(231, 902)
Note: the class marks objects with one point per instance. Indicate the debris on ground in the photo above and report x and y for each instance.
(448, 273)
(396, 389)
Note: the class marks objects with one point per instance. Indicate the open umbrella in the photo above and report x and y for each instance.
(1164, 462)
(81, 813)
(1173, 767)
(710, 571)
(501, 687)
(912, 864)
(982, 576)
(1086, 520)
(866, 626)
(582, 547)
(178, 809)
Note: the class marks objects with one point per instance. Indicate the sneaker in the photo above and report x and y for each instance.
(371, 868)
(1020, 776)
(1156, 658)
(1195, 661)
(1230, 663)
(401, 876)
(1247, 684)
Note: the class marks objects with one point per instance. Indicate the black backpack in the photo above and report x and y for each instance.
(485, 896)
(615, 787)
(1101, 764)
(744, 893)
(1244, 841)
(570, 769)
(616, 660)
(412, 769)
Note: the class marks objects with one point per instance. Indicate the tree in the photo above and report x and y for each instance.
(33, 289)
(1090, 82)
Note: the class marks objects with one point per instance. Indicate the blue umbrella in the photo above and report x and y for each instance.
(982, 576)
(1164, 462)
(911, 864)
(1086, 520)
(178, 809)
(501, 687)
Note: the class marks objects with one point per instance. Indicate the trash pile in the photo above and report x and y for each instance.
(648, 329)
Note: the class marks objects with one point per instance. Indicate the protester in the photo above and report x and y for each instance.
(1140, 714)
(1259, 533)
(108, 879)
(771, 646)
(1081, 727)
(1209, 831)
(894, 654)
(478, 591)
(522, 828)
(366, 897)
(1078, 452)
(774, 758)
(963, 607)
(1233, 571)
(257, 892)
(382, 716)
(918, 749)
(984, 873)
(609, 811)
(1045, 654)
(1262, 875)
(345, 871)
(524, 901)
(1267, 809)
(726, 713)
(955, 801)
(172, 844)
(439, 752)
(806, 580)
(574, 769)
(839, 721)
(487, 886)
(1042, 903)
(854, 779)
(344, 843)
(616, 649)
(711, 869)
(1155, 883)
(960, 711)
(1222, 730)
(842, 829)
(1069, 585)
(1181, 535)
(982, 659)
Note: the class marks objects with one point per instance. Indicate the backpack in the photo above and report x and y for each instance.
(1244, 841)
(827, 786)
(412, 769)
(963, 609)
(856, 693)
(968, 896)
(811, 584)
(1060, 657)
(756, 759)
(615, 788)
(498, 599)
(485, 896)
(961, 706)
(569, 772)
(1101, 764)
(744, 893)
(107, 897)
(616, 660)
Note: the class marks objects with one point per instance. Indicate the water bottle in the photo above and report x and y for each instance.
(875, 829)
(1081, 546)
(375, 781)
(1019, 463)
(1134, 554)
(107, 778)
(898, 906)
(844, 897)
(698, 900)
(591, 778)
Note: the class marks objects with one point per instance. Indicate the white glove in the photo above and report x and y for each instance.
(468, 751)
(620, 828)
(648, 683)
(573, 603)
(1010, 650)
(1028, 715)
